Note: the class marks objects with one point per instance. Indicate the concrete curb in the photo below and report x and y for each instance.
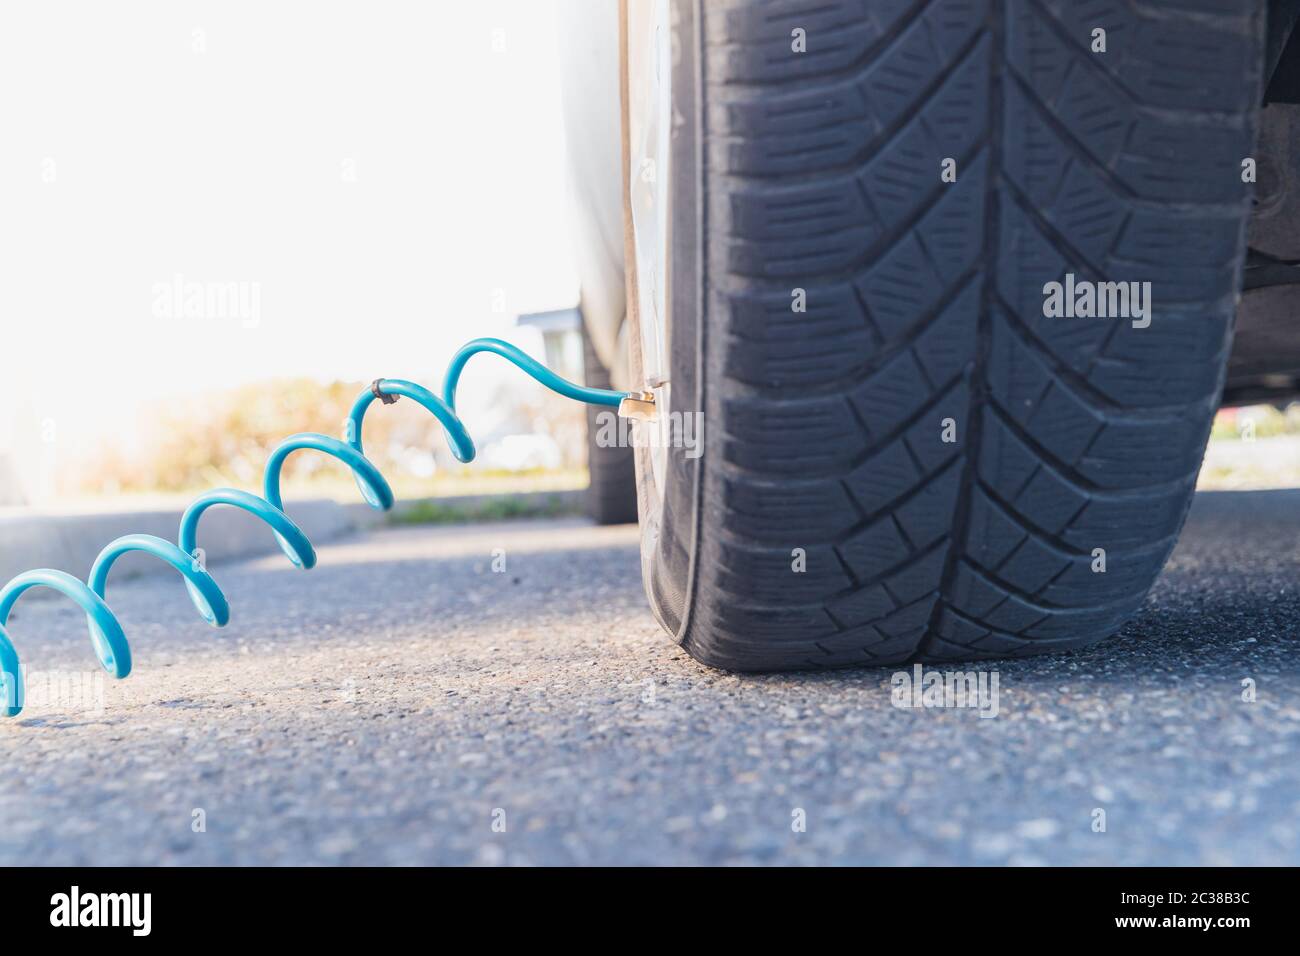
(71, 541)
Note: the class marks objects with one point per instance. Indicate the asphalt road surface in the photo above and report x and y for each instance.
(406, 703)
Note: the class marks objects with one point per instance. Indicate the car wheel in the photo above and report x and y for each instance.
(845, 222)
(611, 491)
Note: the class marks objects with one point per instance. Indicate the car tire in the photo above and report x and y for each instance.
(904, 459)
(611, 491)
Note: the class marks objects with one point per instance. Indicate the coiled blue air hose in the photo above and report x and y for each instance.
(106, 632)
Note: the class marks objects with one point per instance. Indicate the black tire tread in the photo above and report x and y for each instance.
(924, 302)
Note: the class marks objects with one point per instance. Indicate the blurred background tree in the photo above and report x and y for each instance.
(225, 437)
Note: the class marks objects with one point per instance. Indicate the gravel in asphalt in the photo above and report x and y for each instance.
(406, 703)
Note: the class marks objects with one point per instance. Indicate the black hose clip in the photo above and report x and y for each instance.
(384, 397)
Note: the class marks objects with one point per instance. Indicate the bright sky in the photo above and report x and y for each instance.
(386, 180)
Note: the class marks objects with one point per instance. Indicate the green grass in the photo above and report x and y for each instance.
(504, 508)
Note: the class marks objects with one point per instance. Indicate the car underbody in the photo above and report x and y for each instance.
(1265, 361)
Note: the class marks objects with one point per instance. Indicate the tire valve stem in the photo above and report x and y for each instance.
(639, 407)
